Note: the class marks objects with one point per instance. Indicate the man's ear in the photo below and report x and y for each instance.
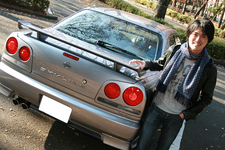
(187, 38)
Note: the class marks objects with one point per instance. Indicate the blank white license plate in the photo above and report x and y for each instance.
(55, 109)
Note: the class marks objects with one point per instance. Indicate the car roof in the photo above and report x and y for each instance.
(141, 21)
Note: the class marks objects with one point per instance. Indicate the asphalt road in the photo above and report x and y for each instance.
(29, 130)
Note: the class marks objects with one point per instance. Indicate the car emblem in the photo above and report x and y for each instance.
(66, 65)
(59, 76)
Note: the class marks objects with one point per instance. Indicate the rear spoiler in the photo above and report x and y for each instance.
(27, 25)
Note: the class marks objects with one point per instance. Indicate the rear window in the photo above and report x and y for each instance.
(92, 26)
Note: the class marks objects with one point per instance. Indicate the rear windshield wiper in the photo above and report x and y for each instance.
(116, 48)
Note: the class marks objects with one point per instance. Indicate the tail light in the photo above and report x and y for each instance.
(112, 90)
(24, 53)
(133, 96)
(12, 45)
(70, 56)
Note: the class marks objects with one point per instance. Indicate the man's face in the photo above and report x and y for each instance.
(197, 40)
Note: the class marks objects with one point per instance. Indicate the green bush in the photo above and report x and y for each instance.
(34, 5)
(179, 16)
(149, 4)
(189, 19)
(152, 5)
(171, 13)
(182, 34)
(219, 32)
(121, 5)
(216, 49)
(144, 2)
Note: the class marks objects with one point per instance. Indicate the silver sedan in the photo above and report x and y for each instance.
(78, 70)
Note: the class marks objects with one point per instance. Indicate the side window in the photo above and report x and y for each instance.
(177, 40)
(174, 40)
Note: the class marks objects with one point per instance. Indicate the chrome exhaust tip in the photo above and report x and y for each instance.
(18, 101)
(26, 105)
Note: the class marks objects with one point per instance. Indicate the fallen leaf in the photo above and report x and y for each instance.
(76, 134)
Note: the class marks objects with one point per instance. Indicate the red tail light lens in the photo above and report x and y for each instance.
(112, 90)
(12, 45)
(133, 96)
(70, 56)
(24, 53)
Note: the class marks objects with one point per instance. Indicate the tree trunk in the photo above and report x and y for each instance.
(222, 25)
(197, 13)
(221, 16)
(193, 7)
(179, 6)
(208, 14)
(161, 8)
(202, 12)
(214, 17)
(174, 3)
(216, 3)
(184, 7)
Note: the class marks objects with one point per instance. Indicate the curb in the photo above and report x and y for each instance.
(28, 12)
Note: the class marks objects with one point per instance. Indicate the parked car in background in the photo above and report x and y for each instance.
(78, 70)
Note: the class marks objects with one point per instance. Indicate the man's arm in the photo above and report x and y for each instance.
(162, 61)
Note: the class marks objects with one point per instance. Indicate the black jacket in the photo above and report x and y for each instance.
(203, 94)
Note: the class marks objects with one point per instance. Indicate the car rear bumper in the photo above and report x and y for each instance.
(112, 129)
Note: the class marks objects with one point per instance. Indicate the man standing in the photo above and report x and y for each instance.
(184, 88)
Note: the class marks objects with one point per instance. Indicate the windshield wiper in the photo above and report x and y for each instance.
(116, 48)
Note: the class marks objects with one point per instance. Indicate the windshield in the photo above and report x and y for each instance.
(92, 27)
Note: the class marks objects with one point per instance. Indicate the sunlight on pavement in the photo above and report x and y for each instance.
(219, 90)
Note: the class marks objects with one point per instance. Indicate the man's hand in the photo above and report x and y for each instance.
(182, 115)
(141, 63)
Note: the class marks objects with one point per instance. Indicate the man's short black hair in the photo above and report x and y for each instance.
(205, 24)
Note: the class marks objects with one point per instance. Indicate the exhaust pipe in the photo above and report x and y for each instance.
(26, 105)
(18, 101)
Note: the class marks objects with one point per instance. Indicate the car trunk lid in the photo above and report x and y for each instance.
(77, 69)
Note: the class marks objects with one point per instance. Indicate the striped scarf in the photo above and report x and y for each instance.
(191, 80)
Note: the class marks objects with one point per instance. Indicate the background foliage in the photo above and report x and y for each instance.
(216, 48)
(34, 5)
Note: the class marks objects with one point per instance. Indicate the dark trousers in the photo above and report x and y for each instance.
(155, 117)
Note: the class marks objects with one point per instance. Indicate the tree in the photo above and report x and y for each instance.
(221, 17)
(222, 26)
(193, 6)
(174, 3)
(215, 10)
(201, 8)
(222, 14)
(184, 7)
(179, 6)
(161, 8)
